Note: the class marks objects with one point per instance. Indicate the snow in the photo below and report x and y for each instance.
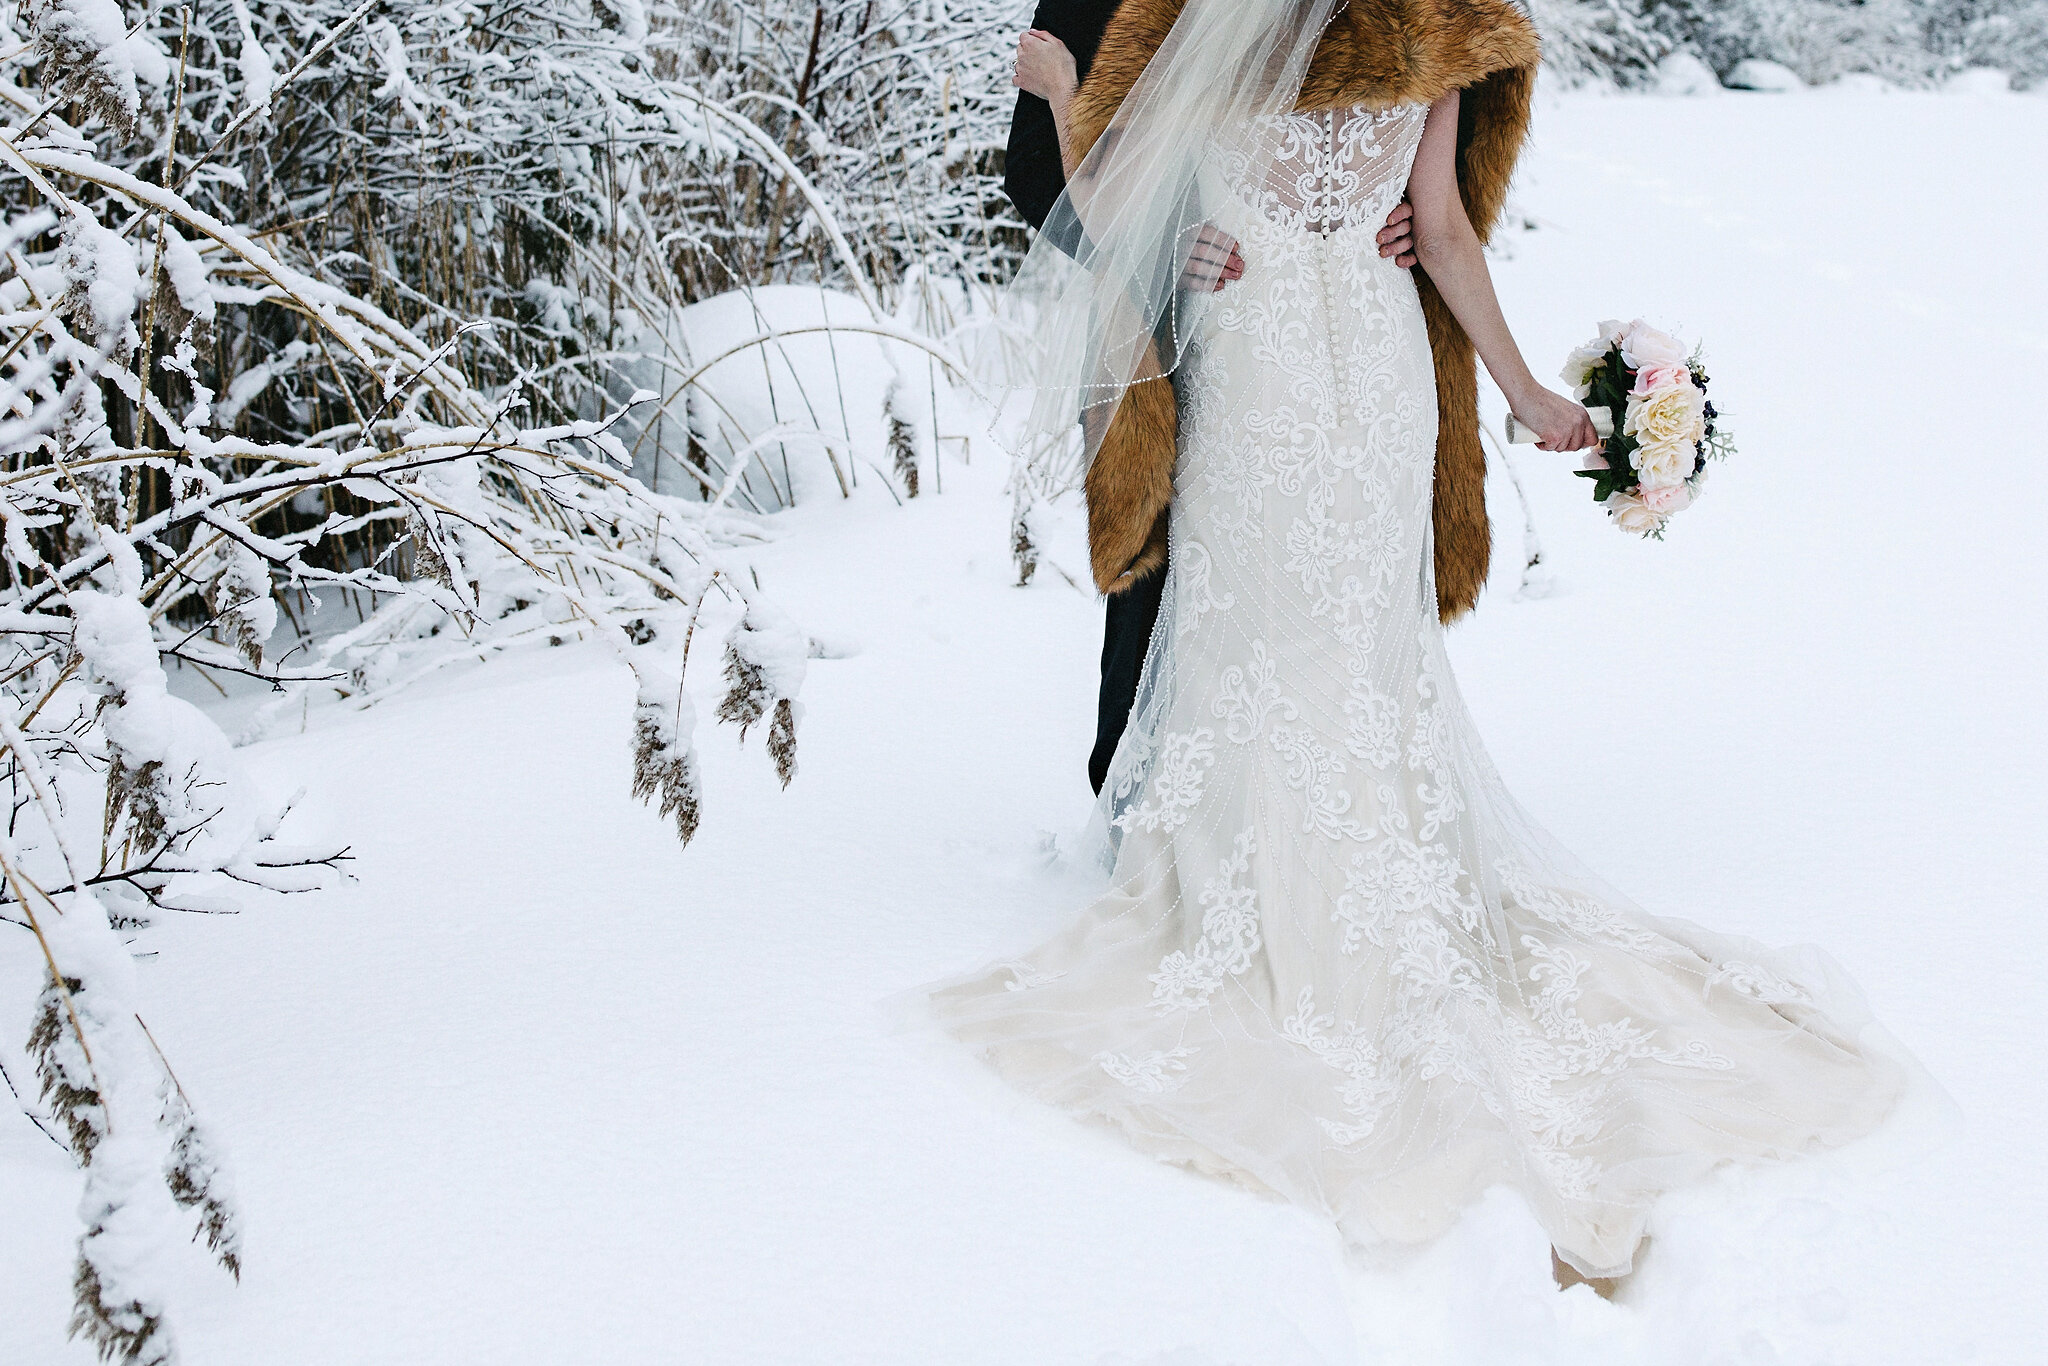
(836, 386)
(259, 72)
(99, 273)
(1681, 73)
(1757, 73)
(187, 274)
(201, 790)
(769, 641)
(398, 81)
(1980, 80)
(96, 35)
(542, 1086)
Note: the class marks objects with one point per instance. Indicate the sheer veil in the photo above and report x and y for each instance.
(1101, 280)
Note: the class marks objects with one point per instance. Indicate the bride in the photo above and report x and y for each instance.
(1337, 961)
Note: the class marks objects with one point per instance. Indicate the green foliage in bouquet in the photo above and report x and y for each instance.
(1608, 388)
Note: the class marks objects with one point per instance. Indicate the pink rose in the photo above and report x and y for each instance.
(1655, 378)
(1665, 501)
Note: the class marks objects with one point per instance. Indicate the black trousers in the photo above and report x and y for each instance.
(1126, 631)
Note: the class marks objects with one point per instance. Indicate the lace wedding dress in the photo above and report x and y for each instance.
(1337, 960)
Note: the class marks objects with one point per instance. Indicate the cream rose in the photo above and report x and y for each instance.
(1664, 464)
(1668, 416)
(1643, 345)
(1632, 515)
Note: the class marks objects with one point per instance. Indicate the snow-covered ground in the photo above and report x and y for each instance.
(541, 1087)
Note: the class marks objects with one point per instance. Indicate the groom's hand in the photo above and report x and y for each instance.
(1045, 68)
(1213, 261)
(1397, 239)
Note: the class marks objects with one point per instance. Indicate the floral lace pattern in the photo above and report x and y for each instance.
(1186, 979)
(1184, 762)
(1336, 957)
(1329, 171)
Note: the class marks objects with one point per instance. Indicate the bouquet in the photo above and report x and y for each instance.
(1652, 466)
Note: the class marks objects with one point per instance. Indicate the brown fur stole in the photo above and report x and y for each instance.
(1377, 53)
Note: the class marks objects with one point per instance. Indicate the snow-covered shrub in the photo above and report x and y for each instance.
(897, 113)
(1763, 74)
(1903, 42)
(1820, 40)
(580, 172)
(227, 385)
(764, 669)
(1606, 40)
(2008, 35)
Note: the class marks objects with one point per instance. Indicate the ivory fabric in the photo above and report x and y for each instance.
(1337, 961)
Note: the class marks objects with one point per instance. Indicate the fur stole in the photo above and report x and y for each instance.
(1377, 53)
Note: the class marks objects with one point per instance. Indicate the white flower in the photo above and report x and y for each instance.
(1630, 515)
(1663, 465)
(1643, 345)
(1579, 366)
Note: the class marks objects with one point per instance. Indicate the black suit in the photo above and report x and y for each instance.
(1033, 178)
(1032, 175)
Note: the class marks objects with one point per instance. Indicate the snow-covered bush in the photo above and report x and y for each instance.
(581, 171)
(1602, 40)
(2008, 35)
(1904, 42)
(301, 302)
(1818, 39)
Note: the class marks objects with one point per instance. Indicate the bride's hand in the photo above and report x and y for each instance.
(1559, 423)
(1045, 68)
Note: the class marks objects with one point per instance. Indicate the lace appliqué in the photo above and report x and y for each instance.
(1328, 171)
(1247, 695)
(1155, 1073)
(1395, 878)
(1186, 979)
(1025, 977)
(1760, 984)
(1177, 783)
(1195, 595)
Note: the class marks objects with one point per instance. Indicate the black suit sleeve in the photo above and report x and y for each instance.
(1032, 174)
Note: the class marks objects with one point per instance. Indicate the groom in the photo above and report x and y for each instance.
(1052, 58)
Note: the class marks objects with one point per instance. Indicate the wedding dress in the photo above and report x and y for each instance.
(1337, 961)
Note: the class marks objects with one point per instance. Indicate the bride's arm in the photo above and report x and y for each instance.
(1448, 250)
